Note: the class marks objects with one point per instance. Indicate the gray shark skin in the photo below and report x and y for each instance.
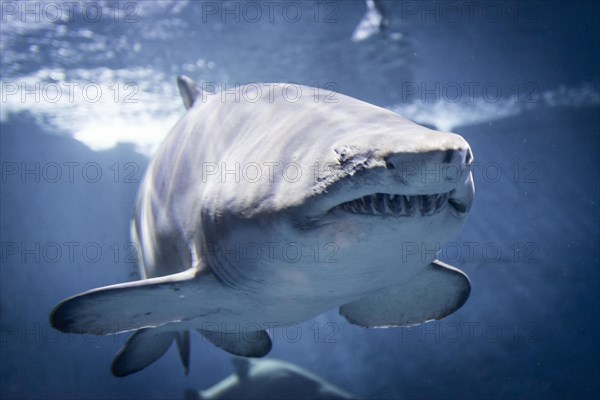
(270, 379)
(272, 206)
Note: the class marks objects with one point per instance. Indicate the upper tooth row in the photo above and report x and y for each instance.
(400, 205)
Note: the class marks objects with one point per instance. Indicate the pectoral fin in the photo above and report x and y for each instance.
(433, 293)
(134, 305)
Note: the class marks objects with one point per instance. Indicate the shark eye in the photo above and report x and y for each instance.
(343, 153)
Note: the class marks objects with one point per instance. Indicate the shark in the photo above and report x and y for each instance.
(270, 379)
(273, 203)
(373, 22)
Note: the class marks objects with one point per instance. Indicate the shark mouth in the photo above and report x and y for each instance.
(397, 205)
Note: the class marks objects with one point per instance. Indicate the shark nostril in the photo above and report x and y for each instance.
(448, 156)
(389, 165)
(461, 156)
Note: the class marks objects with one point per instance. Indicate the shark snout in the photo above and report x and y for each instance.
(461, 157)
(429, 172)
(401, 184)
(417, 160)
(429, 175)
(421, 176)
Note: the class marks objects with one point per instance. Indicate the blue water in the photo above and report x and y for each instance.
(530, 246)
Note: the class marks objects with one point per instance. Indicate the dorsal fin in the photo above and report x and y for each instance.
(188, 90)
(241, 366)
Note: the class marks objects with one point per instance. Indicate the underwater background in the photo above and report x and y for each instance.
(88, 92)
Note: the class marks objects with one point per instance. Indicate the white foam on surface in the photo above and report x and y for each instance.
(446, 115)
(100, 108)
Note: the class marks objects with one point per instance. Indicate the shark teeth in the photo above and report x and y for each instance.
(397, 205)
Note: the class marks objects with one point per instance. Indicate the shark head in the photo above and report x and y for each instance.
(346, 175)
(411, 189)
(393, 199)
(394, 175)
